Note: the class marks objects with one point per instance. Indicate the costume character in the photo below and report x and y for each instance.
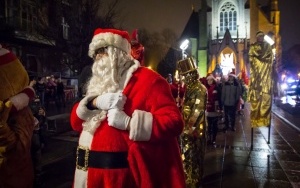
(128, 120)
(193, 138)
(137, 49)
(16, 123)
(260, 86)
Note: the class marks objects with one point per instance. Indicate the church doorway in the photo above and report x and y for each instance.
(227, 59)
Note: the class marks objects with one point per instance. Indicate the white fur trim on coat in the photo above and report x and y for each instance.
(211, 77)
(109, 39)
(140, 126)
(82, 111)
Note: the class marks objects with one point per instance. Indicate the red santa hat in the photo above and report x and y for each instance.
(110, 37)
(211, 77)
(232, 74)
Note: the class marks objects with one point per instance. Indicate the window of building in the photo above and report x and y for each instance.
(228, 17)
(28, 16)
(65, 26)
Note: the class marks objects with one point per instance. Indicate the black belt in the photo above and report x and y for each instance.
(100, 159)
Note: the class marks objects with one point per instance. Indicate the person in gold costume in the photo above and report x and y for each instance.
(193, 138)
(260, 87)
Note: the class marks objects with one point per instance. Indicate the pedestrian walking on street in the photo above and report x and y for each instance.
(212, 108)
(231, 93)
(60, 94)
(40, 89)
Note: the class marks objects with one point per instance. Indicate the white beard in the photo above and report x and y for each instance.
(103, 79)
(106, 78)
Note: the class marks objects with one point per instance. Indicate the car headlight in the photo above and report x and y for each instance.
(290, 80)
(284, 86)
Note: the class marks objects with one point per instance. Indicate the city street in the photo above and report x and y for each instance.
(232, 163)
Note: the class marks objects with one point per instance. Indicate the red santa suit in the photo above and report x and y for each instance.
(148, 154)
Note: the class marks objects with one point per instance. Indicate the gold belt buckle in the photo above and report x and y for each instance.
(86, 157)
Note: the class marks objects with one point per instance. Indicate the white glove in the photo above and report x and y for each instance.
(118, 119)
(111, 100)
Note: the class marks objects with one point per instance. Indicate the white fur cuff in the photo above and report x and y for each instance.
(82, 111)
(140, 126)
(20, 101)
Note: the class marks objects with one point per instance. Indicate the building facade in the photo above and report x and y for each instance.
(221, 31)
(35, 31)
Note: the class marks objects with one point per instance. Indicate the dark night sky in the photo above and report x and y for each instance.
(156, 15)
(289, 23)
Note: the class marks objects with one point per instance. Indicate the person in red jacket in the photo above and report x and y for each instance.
(128, 122)
(212, 108)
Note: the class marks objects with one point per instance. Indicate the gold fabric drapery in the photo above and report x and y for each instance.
(261, 82)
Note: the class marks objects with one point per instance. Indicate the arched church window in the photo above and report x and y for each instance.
(228, 17)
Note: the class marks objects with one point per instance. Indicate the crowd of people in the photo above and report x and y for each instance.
(47, 89)
(50, 89)
(226, 99)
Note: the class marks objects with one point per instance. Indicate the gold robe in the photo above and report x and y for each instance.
(193, 138)
(260, 87)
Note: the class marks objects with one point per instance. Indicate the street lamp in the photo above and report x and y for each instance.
(269, 40)
(184, 45)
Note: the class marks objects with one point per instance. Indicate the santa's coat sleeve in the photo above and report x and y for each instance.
(161, 117)
(75, 121)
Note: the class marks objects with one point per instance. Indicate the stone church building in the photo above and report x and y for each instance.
(221, 31)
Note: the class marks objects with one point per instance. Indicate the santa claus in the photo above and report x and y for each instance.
(129, 122)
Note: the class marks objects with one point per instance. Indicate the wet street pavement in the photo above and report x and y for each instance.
(234, 162)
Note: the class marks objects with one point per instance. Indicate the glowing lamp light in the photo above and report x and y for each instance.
(269, 40)
(184, 44)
